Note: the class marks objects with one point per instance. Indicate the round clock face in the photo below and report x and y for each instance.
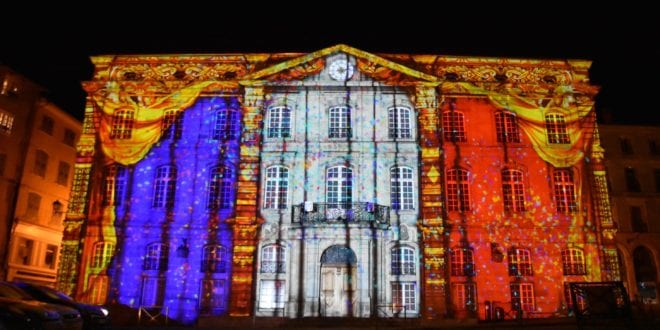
(341, 70)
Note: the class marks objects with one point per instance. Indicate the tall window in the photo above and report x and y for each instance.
(462, 262)
(102, 253)
(40, 163)
(626, 146)
(612, 264)
(99, 284)
(506, 126)
(581, 302)
(63, 173)
(400, 123)
(637, 221)
(279, 122)
(555, 126)
(153, 291)
(24, 250)
(47, 124)
(632, 184)
(340, 122)
(339, 187)
(273, 259)
(513, 190)
(172, 124)
(271, 294)
(221, 188)
(564, 190)
(454, 126)
(465, 295)
(214, 259)
(403, 261)
(458, 191)
(156, 258)
(653, 148)
(50, 258)
(122, 124)
(656, 177)
(213, 296)
(69, 137)
(520, 262)
(573, 262)
(33, 206)
(522, 297)
(401, 188)
(115, 184)
(164, 186)
(226, 125)
(6, 122)
(277, 187)
(403, 297)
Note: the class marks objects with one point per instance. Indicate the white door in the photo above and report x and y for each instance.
(338, 292)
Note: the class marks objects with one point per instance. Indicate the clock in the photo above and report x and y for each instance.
(341, 70)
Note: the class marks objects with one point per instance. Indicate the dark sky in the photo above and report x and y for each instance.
(624, 46)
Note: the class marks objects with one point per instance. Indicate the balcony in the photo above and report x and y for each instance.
(368, 214)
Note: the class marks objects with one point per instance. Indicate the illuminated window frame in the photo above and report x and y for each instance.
(462, 261)
(103, 252)
(221, 187)
(556, 129)
(40, 163)
(272, 294)
(114, 184)
(214, 259)
(403, 261)
(226, 124)
(522, 297)
(156, 257)
(402, 192)
(453, 124)
(513, 190)
(6, 122)
(276, 192)
(404, 297)
(164, 186)
(520, 262)
(339, 187)
(458, 190)
(581, 302)
(273, 259)
(573, 262)
(212, 296)
(339, 124)
(153, 291)
(172, 125)
(123, 122)
(465, 296)
(279, 122)
(564, 190)
(506, 126)
(400, 123)
(99, 289)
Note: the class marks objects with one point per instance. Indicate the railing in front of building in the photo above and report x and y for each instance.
(341, 213)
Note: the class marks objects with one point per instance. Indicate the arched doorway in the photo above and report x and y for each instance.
(646, 274)
(338, 281)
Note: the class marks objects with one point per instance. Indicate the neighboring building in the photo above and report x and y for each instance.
(633, 165)
(337, 183)
(37, 154)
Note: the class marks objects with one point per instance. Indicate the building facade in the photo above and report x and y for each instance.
(633, 163)
(337, 183)
(37, 153)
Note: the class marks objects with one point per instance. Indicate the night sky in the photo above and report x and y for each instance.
(624, 46)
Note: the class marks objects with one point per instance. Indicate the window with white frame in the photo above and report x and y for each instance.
(153, 291)
(277, 187)
(465, 296)
(564, 190)
(573, 262)
(103, 251)
(122, 124)
(403, 261)
(340, 122)
(401, 188)
(226, 125)
(156, 257)
(214, 259)
(506, 127)
(114, 184)
(522, 297)
(164, 186)
(400, 123)
(462, 262)
(520, 262)
(172, 124)
(271, 294)
(279, 122)
(513, 190)
(458, 190)
(99, 285)
(339, 187)
(212, 300)
(555, 126)
(221, 188)
(453, 125)
(404, 297)
(273, 259)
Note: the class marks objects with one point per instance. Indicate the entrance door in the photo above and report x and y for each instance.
(338, 282)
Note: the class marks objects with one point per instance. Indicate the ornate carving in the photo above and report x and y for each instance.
(171, 71)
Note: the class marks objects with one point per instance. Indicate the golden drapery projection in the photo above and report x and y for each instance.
(531, 119)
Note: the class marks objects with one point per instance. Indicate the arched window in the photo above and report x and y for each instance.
(164, 187)
(555, 126)
(458, 190)
(339, 187)
(277, 187)
(400, 123)
(520, 262)
(340, 122)
(114, 184)
(453, 124)
(462, 262)
(221, 188)
(273, 259)
(172, 124)
(102, 253)
(513, 190)
(573, 262)
(564, 190)
(279, 122)
(226, 125)
(403, 261)
(401, 188)
(156, 257)
(507, 127)
(122, 124)
(645, 269)
(214, 259)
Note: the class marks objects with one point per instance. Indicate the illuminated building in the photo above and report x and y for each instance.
(337, 183)
(37, 153)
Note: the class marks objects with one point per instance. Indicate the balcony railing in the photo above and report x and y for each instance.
(343, 213)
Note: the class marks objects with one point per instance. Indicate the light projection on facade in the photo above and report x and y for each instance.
(337, 183)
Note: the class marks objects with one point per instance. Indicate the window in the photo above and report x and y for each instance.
(115, 184)
(69, 137)
(156, 258)
(555, 126)
(632, 184)
(564, 190)
(103, 251)
(656, 176)
(212, 300)
(279, 122)
(573, 261)
(507, 127)
(339, 187)
(153, 291)
(582, 303)
(400, 123)
(458, 191)
(214, 260)
(514, 190)
(277, 187)
(99, 284)
(638, 223)
(271, 294)
(401, 188)
(47, 124)
(33, 205)
(522, 297)
(221, 188)
(6, 122)
(626, 147)
(172, 124)
(403, 297)
(122, 124)
(612, 264)
(340, 122)
(3, 163)
(462, 262)
(403, 261)
(520, 262)
(653, 148)
(164, 186)
(40, 163)
(63, 173)
(273, 259)
(465, 296)
(24, 249)
(454, 126)
(226, 125)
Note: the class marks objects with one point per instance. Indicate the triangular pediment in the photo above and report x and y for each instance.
(372, 65)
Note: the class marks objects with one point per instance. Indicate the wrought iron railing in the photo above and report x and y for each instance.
(322, 213)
